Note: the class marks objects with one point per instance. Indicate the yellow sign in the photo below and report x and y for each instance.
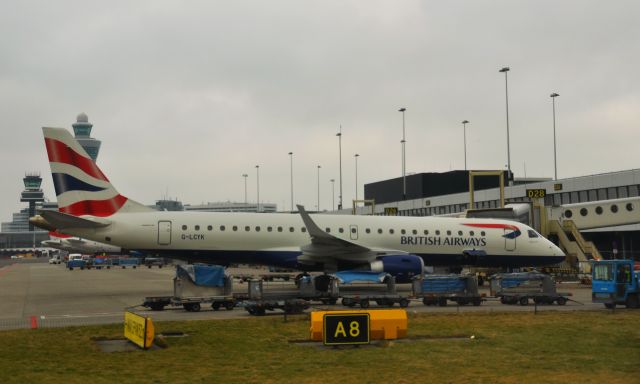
(346, 328)
(391, 211)
(383, 324)
(536, 193)
(138, 329)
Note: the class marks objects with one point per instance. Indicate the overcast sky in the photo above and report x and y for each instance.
(188, 96)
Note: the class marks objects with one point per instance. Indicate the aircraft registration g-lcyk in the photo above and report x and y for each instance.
(90, 207)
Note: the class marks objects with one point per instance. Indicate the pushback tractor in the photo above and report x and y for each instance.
(616, 282)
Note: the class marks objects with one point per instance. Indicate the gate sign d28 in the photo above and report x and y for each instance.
(536, 193)
(347, 328)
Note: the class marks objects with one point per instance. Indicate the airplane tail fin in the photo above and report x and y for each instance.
(81, 187)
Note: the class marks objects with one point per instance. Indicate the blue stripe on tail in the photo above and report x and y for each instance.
(65, 183)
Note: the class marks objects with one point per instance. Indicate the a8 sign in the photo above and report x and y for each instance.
(346, 328)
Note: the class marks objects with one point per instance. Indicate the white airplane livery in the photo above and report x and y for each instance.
(90, 207)
(73, 244)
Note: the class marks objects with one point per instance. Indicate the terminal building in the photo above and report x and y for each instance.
(233, 207)
(604, 207)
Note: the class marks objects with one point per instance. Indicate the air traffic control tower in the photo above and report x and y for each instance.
(82, 129)
(32, 193)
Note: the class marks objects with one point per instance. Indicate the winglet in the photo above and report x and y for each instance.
(314, 231)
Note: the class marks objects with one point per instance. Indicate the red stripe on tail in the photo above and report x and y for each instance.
(59, 152)
(100, 208)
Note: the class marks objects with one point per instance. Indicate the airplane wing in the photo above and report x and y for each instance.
(326, 246)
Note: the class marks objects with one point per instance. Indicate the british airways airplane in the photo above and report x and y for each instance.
(90, 207)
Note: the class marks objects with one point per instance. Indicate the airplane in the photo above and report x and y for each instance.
(90, 207)
(72, 244)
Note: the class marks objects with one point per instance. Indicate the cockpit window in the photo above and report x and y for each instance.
(532, 233)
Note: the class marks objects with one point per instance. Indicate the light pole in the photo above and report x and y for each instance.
(506, 92)
(555, 164)
(464, 129)
(244, 175)
(356, 157)
(339, 134)
(318, 206)
(258, 188)
(403, 142)
(291, 164)
(333, 194)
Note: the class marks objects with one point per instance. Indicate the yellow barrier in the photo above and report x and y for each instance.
(138, 329)
(384, 324)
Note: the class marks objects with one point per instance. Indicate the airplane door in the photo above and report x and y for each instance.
(353, 232)
(509, 244)
(164, 232)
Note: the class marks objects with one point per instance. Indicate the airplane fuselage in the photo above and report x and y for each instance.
(276, 239)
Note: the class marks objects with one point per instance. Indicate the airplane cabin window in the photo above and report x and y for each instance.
(368, 230)
(459, 233)
(210, 228)
(438, 232)
(269, 229)
(532, 233)
(448, 233)
(257, 229)
(353, 230)
(328, 230)
(426, 232)
(341, 230)
(415, 231)
(279, 229)
(247, 228)
(403, 231)
(303, 229)
(222, 228)
(483, 233)
(184, 227)
(197, 227)
(471, 233)
(291, 229)
(380, 230)
(391, 231)
(235, 227)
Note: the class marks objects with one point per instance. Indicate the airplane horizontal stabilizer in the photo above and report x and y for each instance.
(60, 220)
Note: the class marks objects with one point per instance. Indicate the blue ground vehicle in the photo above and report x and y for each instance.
(615, 282)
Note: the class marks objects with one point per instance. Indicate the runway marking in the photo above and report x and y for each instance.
(5, 269)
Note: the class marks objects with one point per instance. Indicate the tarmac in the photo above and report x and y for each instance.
(43, 295)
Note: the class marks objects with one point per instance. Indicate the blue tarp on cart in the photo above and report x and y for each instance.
(347, 277)
(443, 284)
(202, 274)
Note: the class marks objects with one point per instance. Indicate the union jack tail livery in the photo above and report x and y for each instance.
(81, 187)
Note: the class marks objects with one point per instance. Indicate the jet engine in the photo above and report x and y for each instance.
(403, 267)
